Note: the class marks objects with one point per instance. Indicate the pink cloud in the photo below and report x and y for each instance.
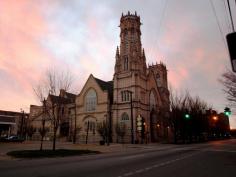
(22, 58)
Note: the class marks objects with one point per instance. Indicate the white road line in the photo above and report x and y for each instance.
(139, 171)
(153, 166)
(133, 156)
(148, 168)
(128, 174)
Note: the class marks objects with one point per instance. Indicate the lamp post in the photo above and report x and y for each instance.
(22, 122)
(132, 120)
(75, 126)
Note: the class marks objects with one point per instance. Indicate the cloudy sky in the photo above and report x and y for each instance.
(187, 35)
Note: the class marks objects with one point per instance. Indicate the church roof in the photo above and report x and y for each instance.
(106, 85)
(60, 100)
(70, 95)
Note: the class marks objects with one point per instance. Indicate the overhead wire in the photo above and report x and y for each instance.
(218, 24)
(226, 16)
(231, 18)
(159, 29)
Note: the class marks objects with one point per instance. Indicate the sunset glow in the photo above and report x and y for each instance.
(83, 36)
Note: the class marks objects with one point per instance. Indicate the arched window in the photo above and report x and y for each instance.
(124, 117)
(158, 79)
(91, 100)
(152, 99)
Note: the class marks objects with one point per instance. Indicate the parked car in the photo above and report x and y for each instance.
(14, 138)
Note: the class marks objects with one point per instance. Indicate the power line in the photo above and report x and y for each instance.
(159, 27)
(218, 23)
(226, 16)
(232, 22)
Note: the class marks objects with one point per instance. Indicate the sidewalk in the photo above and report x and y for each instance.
(112, 148)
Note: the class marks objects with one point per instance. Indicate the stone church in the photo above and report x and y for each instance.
(136, 92)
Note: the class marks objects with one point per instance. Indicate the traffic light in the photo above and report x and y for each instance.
(186, 116)
(231, 41)
(227, 111)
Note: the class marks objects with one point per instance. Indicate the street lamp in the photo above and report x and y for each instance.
(215, 118)
(22, 122)
(132, 121)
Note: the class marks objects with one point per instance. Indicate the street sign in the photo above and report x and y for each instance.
(139, 128)
(139, 123)
(139, 118)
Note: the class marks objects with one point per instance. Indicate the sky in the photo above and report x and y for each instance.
(82, 36)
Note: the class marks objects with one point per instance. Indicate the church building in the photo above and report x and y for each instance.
(135, 103)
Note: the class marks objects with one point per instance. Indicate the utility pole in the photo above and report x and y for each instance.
(43, 124)
(75, 128)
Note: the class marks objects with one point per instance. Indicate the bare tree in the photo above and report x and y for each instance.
(43, 131)
(121, 130)
(30, 131)
(193, 125)
(50, 87)
(103, 130)
(228, 80)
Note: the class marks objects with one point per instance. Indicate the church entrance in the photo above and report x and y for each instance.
(154, 126)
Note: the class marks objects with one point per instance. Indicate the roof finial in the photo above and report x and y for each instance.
(117, 52)
(143, 52)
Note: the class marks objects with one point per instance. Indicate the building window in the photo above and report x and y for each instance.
(126, 63)
(124, 117)
(125, 96)
(91, 100)
(152, 98)
(158, 79)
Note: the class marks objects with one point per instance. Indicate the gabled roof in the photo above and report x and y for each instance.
(106, 85)
(60, 100)
(70, 95)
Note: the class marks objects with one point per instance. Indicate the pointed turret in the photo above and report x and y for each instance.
(117, 53)
(144, 54)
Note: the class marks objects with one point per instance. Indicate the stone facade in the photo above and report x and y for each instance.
(64, 105)
(134, 85)
(88, 119)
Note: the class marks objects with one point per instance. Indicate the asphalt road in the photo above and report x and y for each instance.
(213, 159)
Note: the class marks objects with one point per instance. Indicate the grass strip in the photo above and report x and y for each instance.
(49, 153)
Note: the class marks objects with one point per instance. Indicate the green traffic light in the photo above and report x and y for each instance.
(187, 116)
(227, 113)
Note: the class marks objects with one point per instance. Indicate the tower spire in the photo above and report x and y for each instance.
(117, 52)
(144, 53)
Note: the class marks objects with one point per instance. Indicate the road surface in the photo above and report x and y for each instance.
(213, 159)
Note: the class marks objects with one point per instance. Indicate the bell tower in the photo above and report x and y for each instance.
(130, 56)
(130, 77)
